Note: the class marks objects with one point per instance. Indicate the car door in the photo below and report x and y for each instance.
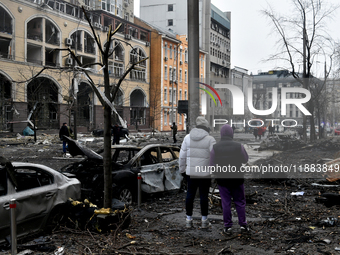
(152, 170)
(35, 196)
(172, 176)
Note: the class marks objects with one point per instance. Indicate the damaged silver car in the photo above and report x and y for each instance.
(40, 193)
(158, 165)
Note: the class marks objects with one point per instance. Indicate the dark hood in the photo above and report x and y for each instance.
(227, 130)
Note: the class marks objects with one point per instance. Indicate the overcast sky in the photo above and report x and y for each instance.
(251, 39)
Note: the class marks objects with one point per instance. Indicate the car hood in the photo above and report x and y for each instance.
(75, 149)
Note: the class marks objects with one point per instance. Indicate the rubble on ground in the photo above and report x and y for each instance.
(281, 141)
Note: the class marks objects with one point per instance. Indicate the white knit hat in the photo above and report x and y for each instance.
(201, 121)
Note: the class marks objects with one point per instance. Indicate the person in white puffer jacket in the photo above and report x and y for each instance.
(194, 160)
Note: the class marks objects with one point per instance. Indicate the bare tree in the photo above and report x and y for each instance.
(302, 39)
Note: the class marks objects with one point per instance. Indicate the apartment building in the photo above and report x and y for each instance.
(169, 76)
(263, 84)
(34, 34)
(214, 39)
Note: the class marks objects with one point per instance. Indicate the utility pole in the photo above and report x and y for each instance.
(304, 78)
(193, 65)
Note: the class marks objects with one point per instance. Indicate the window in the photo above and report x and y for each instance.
(202, 60)
(186, 56)
(139, 72)
(166, 155)
(170, 51)
(170, 73)
(165, 72)
(185, 95)
(165, 117)
(174, 97)
(170, 95)
(170, 7)
(165, 50)
(180, 75)
(180, 55)
(180, 94)
(174, 116)
(165, 95)
(175, 53)
(38, 30)
(185, 76)
(174, 76)
(170, 22)
(149, 157)
(104, 5)
(28, 178)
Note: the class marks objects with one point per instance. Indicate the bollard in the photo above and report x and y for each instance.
(139, 178)
(12, 206)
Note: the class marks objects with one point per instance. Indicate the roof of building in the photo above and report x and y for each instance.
(220, 16)
(167, 33)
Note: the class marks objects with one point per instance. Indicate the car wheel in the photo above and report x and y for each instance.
(125, 195)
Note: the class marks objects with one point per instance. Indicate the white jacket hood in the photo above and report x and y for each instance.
(198, 134)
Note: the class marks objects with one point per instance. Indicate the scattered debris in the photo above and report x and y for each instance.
(281, 141)
(299, 193)
(85, 215)
(329, 222)
(27, 131)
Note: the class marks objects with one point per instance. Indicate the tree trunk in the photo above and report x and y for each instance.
(107, 164)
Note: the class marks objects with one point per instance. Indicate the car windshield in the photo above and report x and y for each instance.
(123, 156)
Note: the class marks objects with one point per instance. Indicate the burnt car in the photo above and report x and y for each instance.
(40, 192)
(157, 163)
(123, 132)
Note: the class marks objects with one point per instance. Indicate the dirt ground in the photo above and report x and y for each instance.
(280, 223)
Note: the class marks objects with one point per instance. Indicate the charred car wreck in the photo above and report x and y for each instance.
(158, 165)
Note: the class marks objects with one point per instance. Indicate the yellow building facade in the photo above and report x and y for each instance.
(34, 35)
(169, 77)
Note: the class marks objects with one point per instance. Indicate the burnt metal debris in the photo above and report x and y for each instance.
(281, 141)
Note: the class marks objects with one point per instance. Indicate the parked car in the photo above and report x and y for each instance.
(157, 163)
(337, 131)
(40, 193)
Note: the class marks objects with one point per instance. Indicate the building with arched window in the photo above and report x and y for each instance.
(35, 35)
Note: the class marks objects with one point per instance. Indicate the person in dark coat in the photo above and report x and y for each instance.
(65, 131)
(116, 134)
(255, 132)
(231, 184)
(174, 131)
